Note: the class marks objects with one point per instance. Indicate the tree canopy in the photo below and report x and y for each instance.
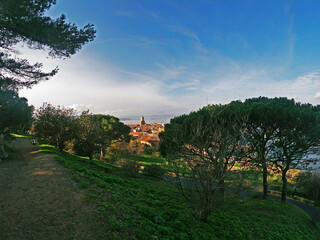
(15, 113)
(24, 21)
(297, 132)
(97, 132)
(280, 132)
(55, 124)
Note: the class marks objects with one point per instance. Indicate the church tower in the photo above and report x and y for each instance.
(142, 122)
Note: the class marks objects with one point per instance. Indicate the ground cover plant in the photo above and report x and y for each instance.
(148, 208)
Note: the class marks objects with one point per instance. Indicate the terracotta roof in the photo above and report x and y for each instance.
(145, 139)
(136, 133)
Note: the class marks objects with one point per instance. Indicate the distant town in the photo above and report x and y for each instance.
(146, 133)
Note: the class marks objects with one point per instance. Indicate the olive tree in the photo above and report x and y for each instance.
(55, 124)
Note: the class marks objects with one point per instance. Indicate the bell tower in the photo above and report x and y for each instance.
(142, 122)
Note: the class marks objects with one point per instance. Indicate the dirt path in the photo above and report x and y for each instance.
(39, 199)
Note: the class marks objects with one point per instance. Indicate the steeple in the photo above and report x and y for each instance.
(142, 122)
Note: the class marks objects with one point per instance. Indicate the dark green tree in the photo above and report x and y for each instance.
(55, 124)
(297, 133)
(24, 21)
(279, 132)
(97, 132)
(260, 132)
(110, 130)
(15, 113)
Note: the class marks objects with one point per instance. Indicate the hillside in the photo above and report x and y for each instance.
(148, 208)
(94, 200)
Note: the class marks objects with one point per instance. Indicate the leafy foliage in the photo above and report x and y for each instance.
(309, 186)
(97, 132)
(154, 170)
(130, 166)
(16, 114)
(55, 124)
(279, 132)
(298, 131)
(260, 131)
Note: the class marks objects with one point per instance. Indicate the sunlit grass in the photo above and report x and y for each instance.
(21, 136)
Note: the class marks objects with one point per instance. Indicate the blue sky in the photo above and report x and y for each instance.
(173, 57)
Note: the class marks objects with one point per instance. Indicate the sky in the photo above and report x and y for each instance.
(171, 57)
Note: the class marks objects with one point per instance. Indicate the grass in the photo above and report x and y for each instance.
(145, 159)
(148, 208)
(21, 136)
(253, 176)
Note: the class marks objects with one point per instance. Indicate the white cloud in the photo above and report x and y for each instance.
(86, 82)
(184, 31)
(244, 86)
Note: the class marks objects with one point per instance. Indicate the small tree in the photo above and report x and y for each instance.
(86, 135)
(97, 132)
(109, 129)
(203, 148)
(55, 124)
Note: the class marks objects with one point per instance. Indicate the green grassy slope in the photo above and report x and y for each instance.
(148, 208)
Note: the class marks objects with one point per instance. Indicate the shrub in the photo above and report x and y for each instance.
(316, 216)
(154, 170)
(256, 195)
(136, 147)
(117, 147)
(131, 167)
(148, 150)
(309, 184)
(70, 147)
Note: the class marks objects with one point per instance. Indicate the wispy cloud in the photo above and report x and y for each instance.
(86, 82)
(191, 85)
(195, 40)
(290, 33)
(184, 31)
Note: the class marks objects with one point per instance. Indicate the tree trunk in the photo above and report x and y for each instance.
(101, 153)
(221, 187)
(284, 185)
(3, 153)
(61, 146)
(265, 179)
